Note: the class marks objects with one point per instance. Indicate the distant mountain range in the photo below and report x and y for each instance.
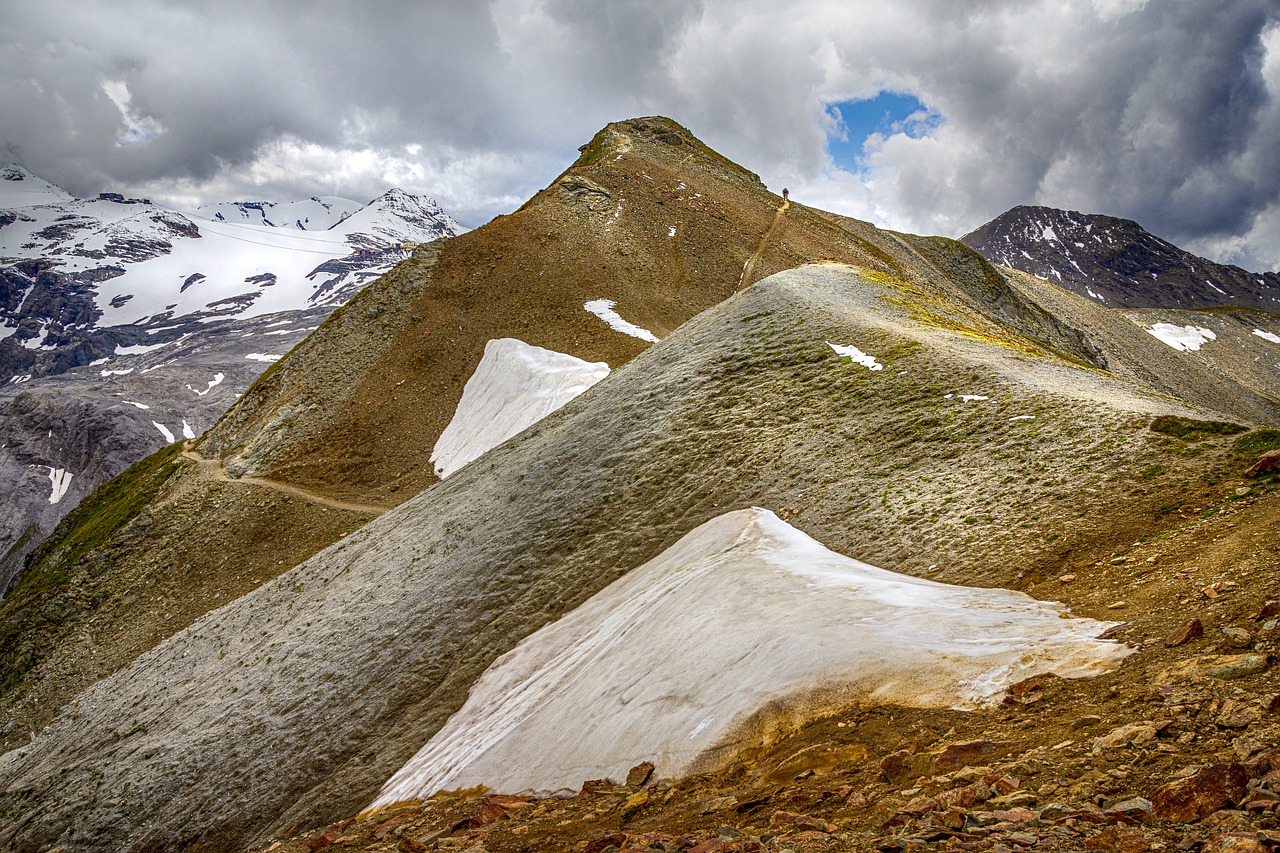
(1116, 262)
(125, 325)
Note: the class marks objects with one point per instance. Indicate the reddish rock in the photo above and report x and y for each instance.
(329, 836)
(1119, 839)
(1197, 796)
(952, 819)
(1235, 715)
(1015, 815)
(639, 774)
(383, 829)
(1006, 785)
(1185, 633)
(919, 806)
(596, 845)
(715, 845)
(1271, 608)
(409, 844)
(1268, 461)
(959, 755)
(960, 798)
(595, 786)
(493, 808)
(1028, 690)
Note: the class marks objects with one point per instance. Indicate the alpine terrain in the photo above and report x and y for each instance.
(668, 514)
(125, 326)
(1116, 261)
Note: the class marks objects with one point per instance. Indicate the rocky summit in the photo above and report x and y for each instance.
(1117, 262)
(1006, 502)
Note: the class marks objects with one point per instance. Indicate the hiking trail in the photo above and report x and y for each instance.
(219, 473)
(749, 267)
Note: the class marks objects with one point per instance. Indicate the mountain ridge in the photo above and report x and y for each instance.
(1124, 265)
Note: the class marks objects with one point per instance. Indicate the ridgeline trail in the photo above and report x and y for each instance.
(219, 473)
(750, 265)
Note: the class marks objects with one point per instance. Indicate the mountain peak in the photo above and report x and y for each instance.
(19, 187)
(659, 138)
(1116, 261)
(14, 172)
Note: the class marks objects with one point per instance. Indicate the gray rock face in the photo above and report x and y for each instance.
(295, 703)
(90, 423)
(1116, 262)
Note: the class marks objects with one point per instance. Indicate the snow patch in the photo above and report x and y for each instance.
(139, 349)
(603, 308)
(856, 355)
(216, 380)
(187, 431)
(1023, 418)
(1182, 338)
(649, 669)
(164, 430)
(142, 406)
(1267, 336)
(125, 372)
(60, 478)
(514, 386)
(263, 356)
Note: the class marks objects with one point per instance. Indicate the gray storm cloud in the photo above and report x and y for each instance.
(1163, 111)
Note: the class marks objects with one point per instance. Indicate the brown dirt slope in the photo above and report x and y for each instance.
(356, 411)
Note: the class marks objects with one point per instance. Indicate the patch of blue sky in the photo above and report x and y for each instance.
(137, 135)
(888, 113)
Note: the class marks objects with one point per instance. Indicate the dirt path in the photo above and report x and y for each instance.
(219, 474)
(750, 265)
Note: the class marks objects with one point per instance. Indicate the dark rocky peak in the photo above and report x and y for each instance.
(1116, 261)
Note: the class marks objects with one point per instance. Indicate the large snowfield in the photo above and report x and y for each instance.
(745, 614)
(225, 260)
(514, 386)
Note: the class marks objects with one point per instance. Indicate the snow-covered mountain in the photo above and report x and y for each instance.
(97, 295)
(1116, 262)
(80, 276)
(317, 213)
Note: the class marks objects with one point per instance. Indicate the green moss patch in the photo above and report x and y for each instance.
(1188, 428)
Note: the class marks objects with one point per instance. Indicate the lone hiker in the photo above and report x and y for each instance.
(784, 193)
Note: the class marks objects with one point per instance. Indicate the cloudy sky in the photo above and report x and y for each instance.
(931, 116)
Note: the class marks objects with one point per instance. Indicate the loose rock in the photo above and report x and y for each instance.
(1200, 794)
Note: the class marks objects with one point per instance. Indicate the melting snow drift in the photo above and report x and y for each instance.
(743, 622)
(60, 479)
(603, 308)
(515, 385)
(1182, 338)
